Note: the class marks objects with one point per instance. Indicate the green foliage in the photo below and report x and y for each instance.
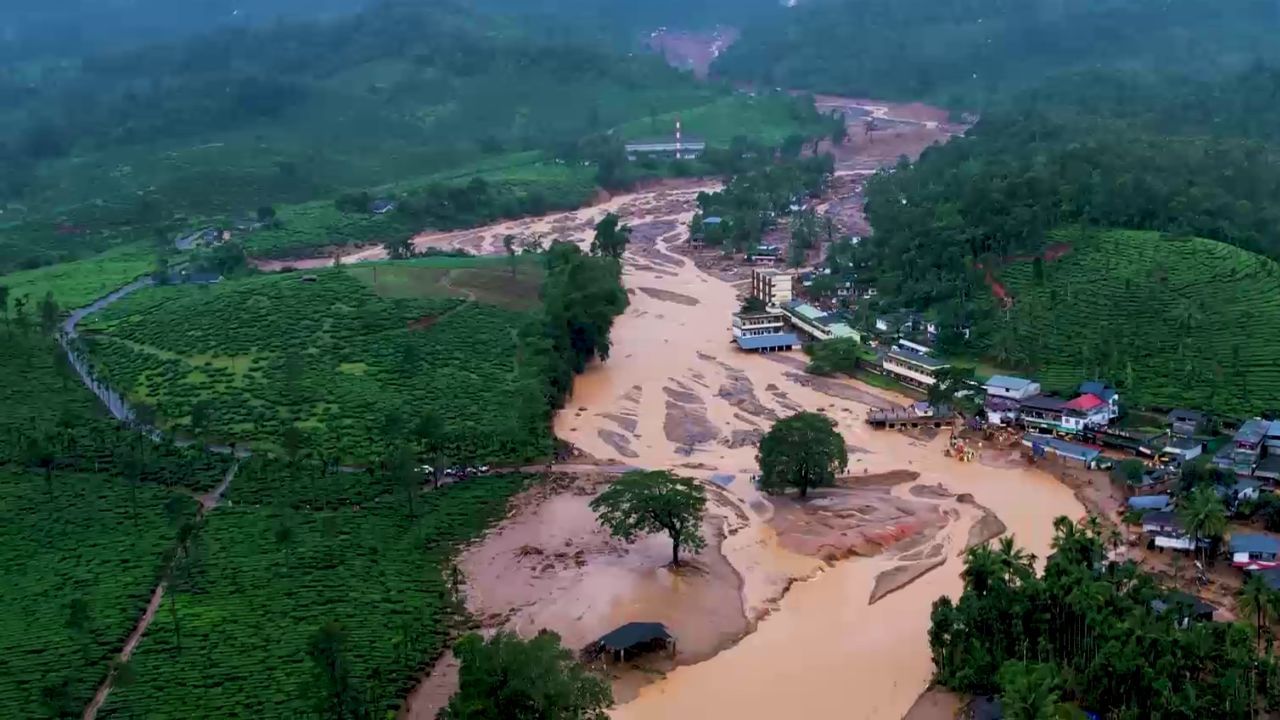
(313, 108)
(1094, 625)
(965, 53)
(333, 357)
(444, 203)
(1128, 471)
(1174, 322)
(582, 295)
(840, 355)
(506, 677)
(611, 238)
(802, 451)
(77, 283)
(79, 561)
(755, 198)
(656, 501)
(249, 608)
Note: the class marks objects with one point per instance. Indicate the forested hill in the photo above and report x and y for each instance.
(1194, 158)
(300, 109)
(34, 29)
(962, 52)
(624, 20)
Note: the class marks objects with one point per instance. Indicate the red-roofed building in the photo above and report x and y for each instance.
(1085, 403)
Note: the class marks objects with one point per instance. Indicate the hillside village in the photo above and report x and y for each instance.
(1155, 461)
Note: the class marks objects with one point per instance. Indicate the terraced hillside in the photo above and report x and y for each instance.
(1173, 321)
(342, 355)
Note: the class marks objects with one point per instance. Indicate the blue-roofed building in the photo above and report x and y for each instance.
(1146, 503)
(382, 207)
(773, 342)
(1254, 551)
(1043, 446)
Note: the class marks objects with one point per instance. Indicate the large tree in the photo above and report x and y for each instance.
(1203, 514)
(506, 677)
(611, 237)
(803, 451)
(655, 501)
(334, 692)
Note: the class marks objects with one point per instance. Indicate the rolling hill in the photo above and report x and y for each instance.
(1174, 321)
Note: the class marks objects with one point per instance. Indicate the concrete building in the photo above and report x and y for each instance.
(1185, 423)
(1014, 388)
(764, 331)
(674, 147)
(913, 368)
(816, 324)
(1244, 452)
(1180, 450)
(1104, 392)
(774, 287)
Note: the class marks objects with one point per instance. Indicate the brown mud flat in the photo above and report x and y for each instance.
(842, 390)
(895, 579)
(669, 296)
(687, 425)
(620, 443)
(836, 523)
(550, 565)
(936, 703)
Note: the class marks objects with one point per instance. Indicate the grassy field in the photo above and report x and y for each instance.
(337, 355)
(489, 280)
(247, 612)
(1174, 322)
(75, 284)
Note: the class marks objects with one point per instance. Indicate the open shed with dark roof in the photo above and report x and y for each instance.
(634, 638)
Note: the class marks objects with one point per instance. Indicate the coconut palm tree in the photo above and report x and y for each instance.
(1203, 515)
(981, 568)
(1015, 562)
(1259, 600)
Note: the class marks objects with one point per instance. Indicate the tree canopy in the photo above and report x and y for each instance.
(506, 677)
(964, 53)
(1089, 632)
(803, 451)
(655, 501)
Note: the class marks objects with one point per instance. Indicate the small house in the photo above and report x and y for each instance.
(1272, 439)
(382, 206)
(1181, 450)
(1107, 394)
(1088, 410)
(1188, 608)
(1008, 386)
(1244, 451)
(1166, 531)
(1185, 423)
(1254, 551)
(1068, 452)
(1150, 503)
(1000, 410)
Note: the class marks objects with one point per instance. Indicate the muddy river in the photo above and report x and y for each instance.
(777, 612)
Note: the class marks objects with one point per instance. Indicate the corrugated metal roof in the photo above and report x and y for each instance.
(1085, 402)
(1251, 542)
(917, 358)
(760, 342)
(1008, 382)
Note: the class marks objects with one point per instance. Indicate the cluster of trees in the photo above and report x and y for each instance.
(467, 85)
(965, 52)
(581, 296)
(754, 200)
(1091, 633)
(1197, 162)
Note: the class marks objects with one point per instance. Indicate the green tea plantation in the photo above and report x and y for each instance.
(1172, 321)
(345, 355)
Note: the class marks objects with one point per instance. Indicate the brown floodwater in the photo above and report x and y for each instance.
(676, 394)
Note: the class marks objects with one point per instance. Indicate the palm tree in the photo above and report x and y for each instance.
(1015, 562)
(1203, 515)
(981, 568)
(1257, 599)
